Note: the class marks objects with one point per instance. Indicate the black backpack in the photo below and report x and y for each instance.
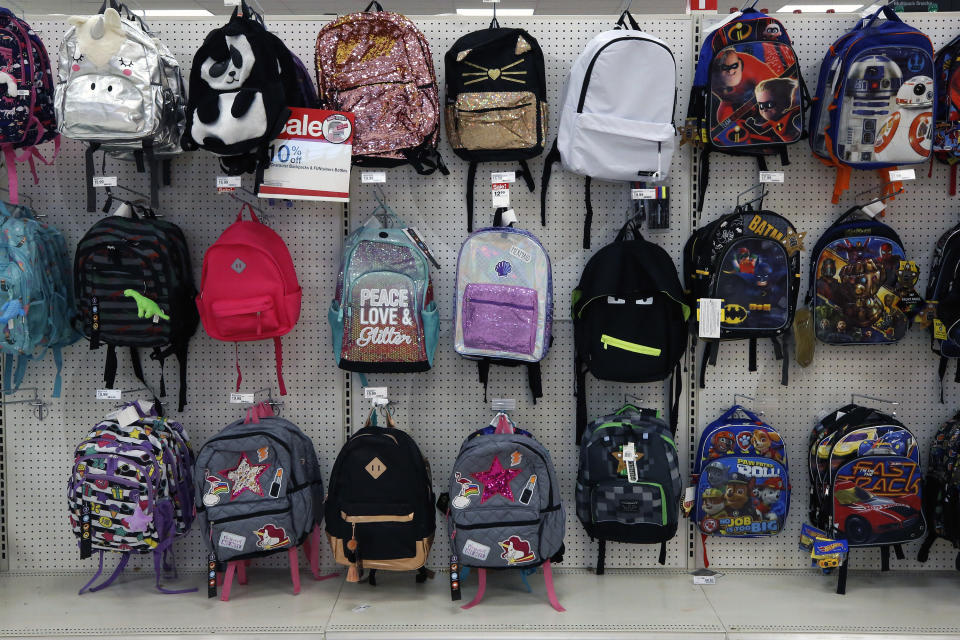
(629, 318)
(943, 296)
(496, 101)
(379, 510)
(121, 266)
(242, 81)
(751, 260)
(941, 490)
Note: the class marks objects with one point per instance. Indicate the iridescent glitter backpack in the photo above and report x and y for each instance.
(378, 65)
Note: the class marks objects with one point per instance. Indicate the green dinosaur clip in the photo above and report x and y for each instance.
(146, 307)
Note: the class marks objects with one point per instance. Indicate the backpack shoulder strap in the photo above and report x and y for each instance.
(552, 157)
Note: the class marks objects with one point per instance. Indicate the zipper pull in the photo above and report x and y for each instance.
(259, 324)
(353, 573)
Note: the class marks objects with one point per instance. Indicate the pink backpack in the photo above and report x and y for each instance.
(249, 289)
(378, 65)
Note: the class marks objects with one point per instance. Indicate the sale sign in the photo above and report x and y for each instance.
(310, 159)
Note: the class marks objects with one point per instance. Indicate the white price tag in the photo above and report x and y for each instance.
(241, 398)
(689, 498)
(374, 392)
(231, 3)
(873, 209)
(367, 177)
(771, 176)
(704, 579)
(128, 416)
(501, 194)
(503, 176)
(109, 394)
(104, 181)
(709, 317)
(23, 92)
(643, 194)
(230, 182)
(896, 175)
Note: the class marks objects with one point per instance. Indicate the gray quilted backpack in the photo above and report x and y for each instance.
(505, 509)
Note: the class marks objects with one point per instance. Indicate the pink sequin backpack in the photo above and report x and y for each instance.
(378, 65)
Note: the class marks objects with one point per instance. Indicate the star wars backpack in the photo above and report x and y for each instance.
(861, 284)
(941, 490)
(874, 102)
(946, 110)
(943, 302)
(380, 508)
(131, 490)
(383, 318)
(629, 318)
(748, 95)
(496, 101)
(242, 81)
(119, 89)
(378, 65)
(504, 508)
(743, 486)
(750, 260)
(628, 481)
(612, 125)
(503, 312)
(259, 488)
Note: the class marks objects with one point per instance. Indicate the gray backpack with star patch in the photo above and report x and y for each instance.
(259, 488)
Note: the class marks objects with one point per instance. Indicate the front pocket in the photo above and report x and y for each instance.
(499, 544)
(256, 533)
(611, 148)
(754, 283)
(502, 120)
(609, 341)
(632, 337)
(500, 318)
(103, 107)
(624, 502)
(382, 319)
(244, 318)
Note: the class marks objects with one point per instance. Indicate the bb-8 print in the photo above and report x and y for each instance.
(907, 132)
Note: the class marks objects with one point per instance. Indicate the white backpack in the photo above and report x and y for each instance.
(616, 115)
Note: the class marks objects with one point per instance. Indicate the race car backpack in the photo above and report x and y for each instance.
(874, 102)
(867, 483)
(612, 125)
(496, 101)
(628, 481)
(751, 261)
(861, 284)
(748, 95)
(378, 65)
(941, 490)
(946, 110)
(383, 318)
(743, 486)
(943, 302)
(503, 312)
(504, 507)
(629, 319)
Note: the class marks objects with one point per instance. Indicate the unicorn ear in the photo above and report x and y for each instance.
(78, 20)
(111, 20)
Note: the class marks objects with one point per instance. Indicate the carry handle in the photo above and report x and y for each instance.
(633, 228)
(373, 4)
(111, 4)
(247, 207)
(625, 19)
(888, 13)
(504, 425)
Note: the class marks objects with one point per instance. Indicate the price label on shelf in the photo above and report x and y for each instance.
(643, 194)
(771, 176)
(501, 194)
(704, 579)
(503, 176)
(228, 183)
(109, 394)
(373, 177)
(897, 175)
(104, 181)
(241, 398)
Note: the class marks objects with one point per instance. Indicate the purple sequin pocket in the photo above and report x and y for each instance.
(500, 317)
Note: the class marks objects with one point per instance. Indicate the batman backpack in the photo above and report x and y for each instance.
(943, 298)
(751, 261)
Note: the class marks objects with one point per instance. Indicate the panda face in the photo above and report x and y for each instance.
(233, 71)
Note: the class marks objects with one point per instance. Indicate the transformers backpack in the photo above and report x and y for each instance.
(861, 284)
(874, 102)
(751, 261)
(740, 469)
(941, 489)
(943, 302)
(946, 110)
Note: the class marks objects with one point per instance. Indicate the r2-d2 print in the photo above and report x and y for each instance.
(885, 118)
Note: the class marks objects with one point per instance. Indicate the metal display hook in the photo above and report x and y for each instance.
(892, 403)
(758, 410)
(264, 216)
(154, 399)
(882, 198)
(759, 199)
(38, 403)
(27, 198)
(274, 404)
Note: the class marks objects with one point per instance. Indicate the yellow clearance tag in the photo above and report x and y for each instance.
(939, 329)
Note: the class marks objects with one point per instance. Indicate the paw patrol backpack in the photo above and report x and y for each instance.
(628, 481)
(874, 102)
(740, 470)
(504, 507)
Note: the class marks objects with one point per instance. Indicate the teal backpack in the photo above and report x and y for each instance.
(36, 294)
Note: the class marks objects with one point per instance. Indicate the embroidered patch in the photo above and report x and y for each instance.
(216, 489)
(515, 458)
(238, 265)
(138, 521)
(467, 490)
(262, 453)
(474, 549)
(496, 480)
(270, 536)
(277, 483)
(245, 477)
(375, 468)
(528, 488)
(516, 550)
(231, 541)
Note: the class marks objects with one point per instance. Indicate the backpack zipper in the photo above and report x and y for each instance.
(628, 346)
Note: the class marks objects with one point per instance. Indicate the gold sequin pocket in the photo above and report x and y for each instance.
(503, 120)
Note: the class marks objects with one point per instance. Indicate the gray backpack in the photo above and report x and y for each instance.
(505, 509)
(259, 489)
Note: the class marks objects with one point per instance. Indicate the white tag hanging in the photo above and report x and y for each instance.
(508, 217)
(501, 194)
(771, 176)
(373, 177)
(104, 181)
(709, 317)
(503, 176)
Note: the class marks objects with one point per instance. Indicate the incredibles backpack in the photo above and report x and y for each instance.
(378, 65)
(383, 318)
(628, 481)
(496, 101)
(874, 102)
(503, 312)
(751, 261)
(946, 109)
(131, 491)
(941, 489)
(748, 95)
(612, 125)
(249, 288)
(866, 478)
(740, 470)
(380, 506)
(861, 284)
(505, 509)
(134, 288)
(629, 318)
(242, 81)
(943, 298)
